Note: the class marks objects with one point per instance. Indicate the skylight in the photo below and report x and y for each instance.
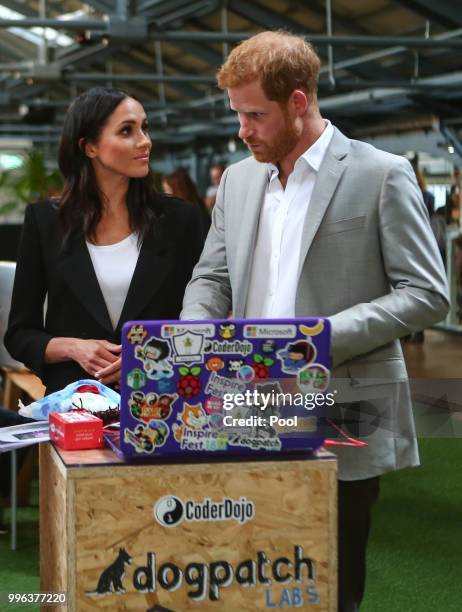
(36, 35)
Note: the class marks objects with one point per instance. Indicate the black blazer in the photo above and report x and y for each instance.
(75, 303)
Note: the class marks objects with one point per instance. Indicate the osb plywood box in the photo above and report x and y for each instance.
(212, 536)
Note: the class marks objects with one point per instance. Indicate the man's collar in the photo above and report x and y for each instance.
(314, 154)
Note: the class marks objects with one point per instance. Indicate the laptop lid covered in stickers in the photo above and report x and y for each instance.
(223, 387)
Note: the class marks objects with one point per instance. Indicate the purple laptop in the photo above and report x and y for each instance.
(223, 387)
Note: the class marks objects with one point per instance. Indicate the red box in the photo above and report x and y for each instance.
(76, 430)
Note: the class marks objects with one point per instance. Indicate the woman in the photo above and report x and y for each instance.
(181, 185)
(110, 250)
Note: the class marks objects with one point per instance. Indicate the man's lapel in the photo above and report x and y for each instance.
(329, 175)
(251, 208)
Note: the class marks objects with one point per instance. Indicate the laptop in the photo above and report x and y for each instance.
(222, 388)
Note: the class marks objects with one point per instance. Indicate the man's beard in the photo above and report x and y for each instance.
(279, 147)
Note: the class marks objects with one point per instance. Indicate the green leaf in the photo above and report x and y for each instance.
(195, 371)
(183, 371)
(268, 361)
(32, 182)
(7, 207)
(258, 358)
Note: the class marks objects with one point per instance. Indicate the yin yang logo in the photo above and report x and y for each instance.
(169, 511)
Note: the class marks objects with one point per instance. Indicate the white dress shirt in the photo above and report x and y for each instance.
(273, 277)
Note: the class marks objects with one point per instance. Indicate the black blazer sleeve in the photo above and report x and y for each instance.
(26, 338)
(195, 235)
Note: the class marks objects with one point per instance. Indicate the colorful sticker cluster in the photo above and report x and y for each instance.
(183, 377)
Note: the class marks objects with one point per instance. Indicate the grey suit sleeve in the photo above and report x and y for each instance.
(208, 294)
(418, 294)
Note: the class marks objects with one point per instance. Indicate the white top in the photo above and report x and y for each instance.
(114, 266)
(273, 277)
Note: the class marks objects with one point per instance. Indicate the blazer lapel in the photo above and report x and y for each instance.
(78, 271)
(329, 175)
(153, 265)
(248, 233)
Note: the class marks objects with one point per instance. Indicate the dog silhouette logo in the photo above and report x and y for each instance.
(110, 580)
(169, 511)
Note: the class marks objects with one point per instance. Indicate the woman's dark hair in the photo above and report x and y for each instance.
(184, 187)
(80, 203)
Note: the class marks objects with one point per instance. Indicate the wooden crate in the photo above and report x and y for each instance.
(116, 529)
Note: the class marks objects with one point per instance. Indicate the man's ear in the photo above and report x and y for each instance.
(299, 100)
(87, 147)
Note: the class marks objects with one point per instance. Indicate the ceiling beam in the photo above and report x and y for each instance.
(146, 76)
(445, 12)
(318, 39)
(195, 36)
(272, 20)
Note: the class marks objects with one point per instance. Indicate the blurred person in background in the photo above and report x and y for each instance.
(179, 184)
(110, 249)
(428, 197)
(216, 172)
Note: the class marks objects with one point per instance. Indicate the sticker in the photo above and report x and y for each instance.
(194, 432)
(236, 347)
(154, 355)
(213, 405)
(189, 348)
(248, 423)
(312, 331)
(146, 438)
(216, 421)
(268, 346)
(215, 364)
(261, 365)
(150, 406)
(255, 442)
(234, 365)
(189, 383)
(219, 385)
(315, 377)
(264, 330)
(227, 330)
(269, 395)
(136, 379)
(296, 355)
(175, 329)
(246, 374)
(165, 385)
(137, 334)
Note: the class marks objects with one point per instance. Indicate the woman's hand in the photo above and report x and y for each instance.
(95, 355)
(111, 373)
(99, 358)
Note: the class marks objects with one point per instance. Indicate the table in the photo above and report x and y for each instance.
(228, 536)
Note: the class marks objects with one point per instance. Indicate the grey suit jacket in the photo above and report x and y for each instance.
(368, 261)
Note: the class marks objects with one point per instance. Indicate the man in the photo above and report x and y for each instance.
(216, 172)
(316, 224)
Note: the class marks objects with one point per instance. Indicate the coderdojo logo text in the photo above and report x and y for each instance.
(170, 510)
